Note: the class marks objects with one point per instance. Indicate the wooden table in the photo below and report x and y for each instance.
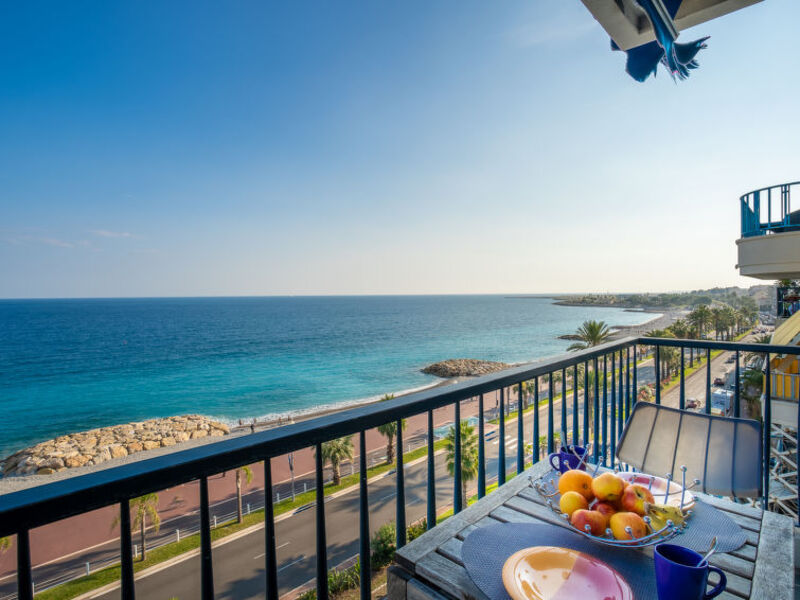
(430, 567)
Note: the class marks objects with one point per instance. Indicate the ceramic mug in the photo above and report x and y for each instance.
(679, 578)
(569, 457)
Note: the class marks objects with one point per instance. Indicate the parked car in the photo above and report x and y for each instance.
(731, 359)
(692, 404)
(719, 381)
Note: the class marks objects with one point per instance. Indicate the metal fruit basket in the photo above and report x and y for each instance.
(547, 488)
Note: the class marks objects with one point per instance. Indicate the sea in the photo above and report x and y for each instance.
(72, 365)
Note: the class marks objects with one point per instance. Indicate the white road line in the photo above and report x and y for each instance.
(294, 562)
(263, 554)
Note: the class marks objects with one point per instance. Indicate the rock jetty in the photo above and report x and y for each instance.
(100, 445)
(464, 367)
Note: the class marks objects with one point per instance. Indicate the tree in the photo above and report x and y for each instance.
(528, 388)
(700, 317)
(335, 452)
(389, 431)
(469, 456)
(590, 333)
(143, 508)
(248, 477)
(5, 544)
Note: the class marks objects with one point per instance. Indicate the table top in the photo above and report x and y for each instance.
(762, 568)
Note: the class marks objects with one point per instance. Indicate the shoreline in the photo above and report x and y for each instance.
(248, 425)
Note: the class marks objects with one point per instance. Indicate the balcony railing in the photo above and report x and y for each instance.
(788, 301)
(770, 210)
(786, 386)
(605, 379)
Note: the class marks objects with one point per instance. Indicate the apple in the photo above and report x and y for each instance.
(634, 497)
(594, 519)
(608, 487)
(621, 520)
(572, 501)
(605, 509)
(576, 481)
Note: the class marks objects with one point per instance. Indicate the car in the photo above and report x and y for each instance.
(730, 359)
(719, 381)
(692, 403)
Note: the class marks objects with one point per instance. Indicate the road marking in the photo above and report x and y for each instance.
(263, 554)
(294, 562)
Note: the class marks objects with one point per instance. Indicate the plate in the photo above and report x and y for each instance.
(659, 488)
(552, 573)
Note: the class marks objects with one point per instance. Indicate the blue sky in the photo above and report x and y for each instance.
(205, 148)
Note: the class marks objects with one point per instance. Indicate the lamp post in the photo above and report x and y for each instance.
(290, 457)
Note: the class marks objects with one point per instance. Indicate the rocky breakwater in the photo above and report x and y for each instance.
(100, 445)
(464, 367)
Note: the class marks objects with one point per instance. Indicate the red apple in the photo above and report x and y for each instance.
(634, 497)
(594, 519)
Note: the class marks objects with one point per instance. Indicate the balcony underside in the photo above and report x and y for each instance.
(626, 23)
(770, 257)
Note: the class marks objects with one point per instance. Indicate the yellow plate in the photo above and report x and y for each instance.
(551, 573)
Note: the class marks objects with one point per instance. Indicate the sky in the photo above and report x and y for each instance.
(361, 147)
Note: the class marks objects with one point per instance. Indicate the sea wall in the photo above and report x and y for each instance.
(100, 445)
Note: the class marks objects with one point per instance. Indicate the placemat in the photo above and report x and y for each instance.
(486, 550)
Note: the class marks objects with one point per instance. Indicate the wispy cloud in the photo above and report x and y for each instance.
(111, 234)
(538, 33)
(17, 240)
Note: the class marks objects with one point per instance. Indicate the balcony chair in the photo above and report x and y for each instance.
(724, 453)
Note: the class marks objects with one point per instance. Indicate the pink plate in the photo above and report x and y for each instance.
(659, 488)
(552, 573)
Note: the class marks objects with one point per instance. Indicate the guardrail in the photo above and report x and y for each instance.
(770, 210)
(604, 385)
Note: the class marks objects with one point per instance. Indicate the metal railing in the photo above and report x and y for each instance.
(770, 210)
(788, 301)
(605, 385)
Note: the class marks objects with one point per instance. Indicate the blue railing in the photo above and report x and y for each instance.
(604, 379)
(770, 210)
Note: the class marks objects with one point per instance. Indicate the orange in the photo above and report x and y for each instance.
(576, 481)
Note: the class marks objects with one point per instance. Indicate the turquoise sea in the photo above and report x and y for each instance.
(70, 365)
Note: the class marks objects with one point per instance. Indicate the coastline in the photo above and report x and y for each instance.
(269, 421)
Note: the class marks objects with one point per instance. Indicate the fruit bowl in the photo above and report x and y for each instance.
(636, 520)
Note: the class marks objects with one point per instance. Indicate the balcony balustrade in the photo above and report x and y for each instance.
(603, 384)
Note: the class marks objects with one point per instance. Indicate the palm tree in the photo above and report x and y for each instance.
(142, 508)
(591, 333)
(469, 456)
(666, 354)
(389, 431)
(335, 452)
(527, 393)
(248, 477)
(700, 317)
(752, 384)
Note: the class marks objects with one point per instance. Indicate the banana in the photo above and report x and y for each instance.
(660, 513)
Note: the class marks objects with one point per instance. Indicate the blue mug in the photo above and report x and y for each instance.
(566, 459)
(679, 578)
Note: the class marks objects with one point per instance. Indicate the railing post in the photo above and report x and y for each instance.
(501, 447)
(605, 410)
(432, 473)
(736, 402)
(585, 403)
(657, 366)
(708, 381)
(206, 560)
(126, 556)
(576, 438)
(767, 431)
(596, 403)
(270, 554)
(613, 408)
(365, 582)
(457, 499)
(322, 544)
(550, 446)
(24, 569)
(682, 395)
(401, 488)
(635, 395)
(520, 432)
(536, 446)
(565, 441)
(481, 450)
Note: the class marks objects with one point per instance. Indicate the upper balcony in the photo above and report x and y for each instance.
(770, 244)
